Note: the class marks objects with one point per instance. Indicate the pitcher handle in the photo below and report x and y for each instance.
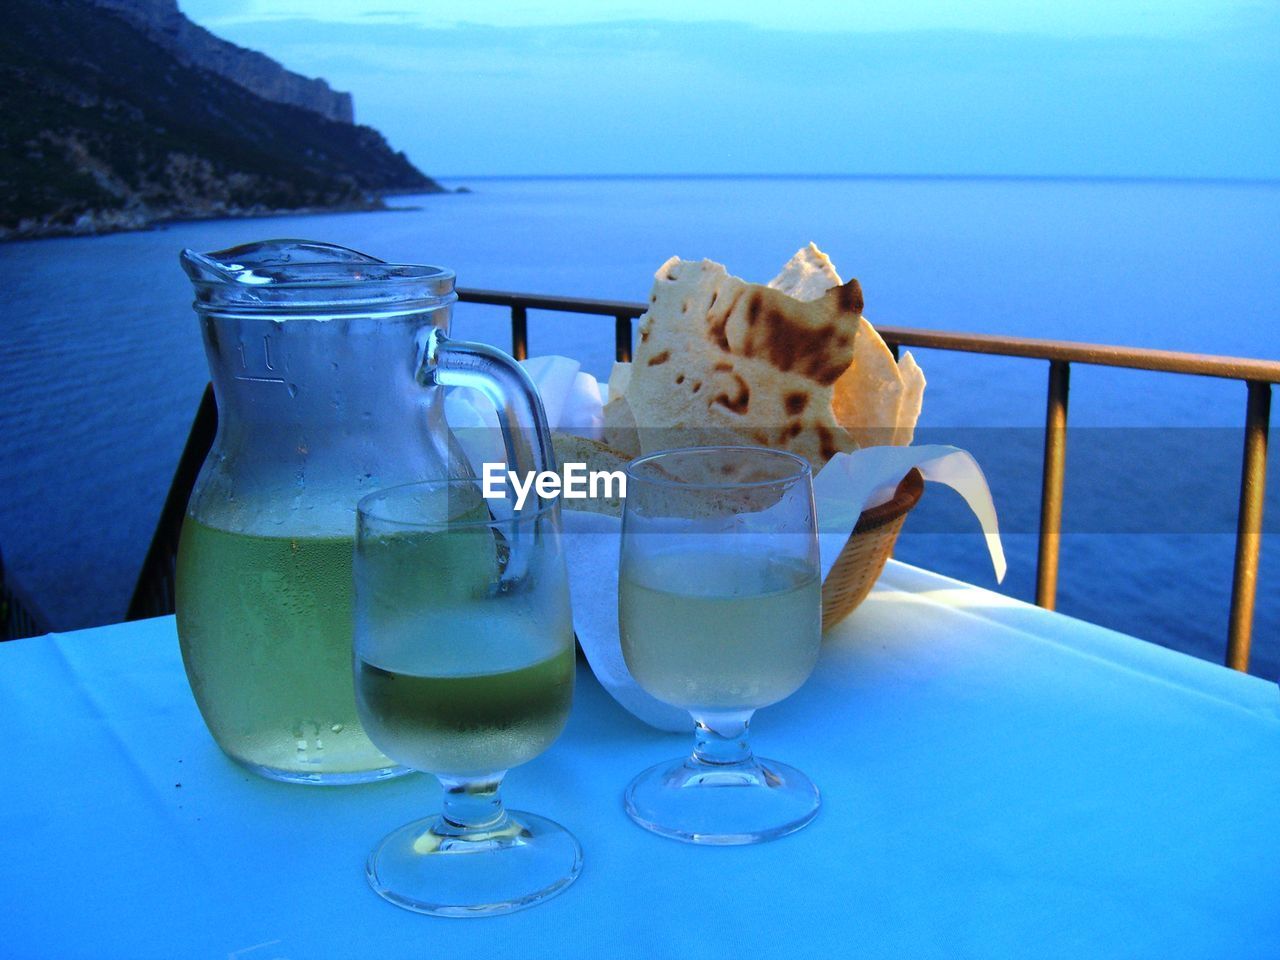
(521, 417)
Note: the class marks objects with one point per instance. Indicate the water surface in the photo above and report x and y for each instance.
(102, 365)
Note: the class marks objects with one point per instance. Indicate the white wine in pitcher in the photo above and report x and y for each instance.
(265, 629)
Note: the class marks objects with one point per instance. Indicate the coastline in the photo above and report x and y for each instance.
(103, 222)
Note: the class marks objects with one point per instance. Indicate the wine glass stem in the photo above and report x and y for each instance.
(472, 805)
(722, 738)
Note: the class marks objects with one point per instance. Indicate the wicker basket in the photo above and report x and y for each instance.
(866, 551)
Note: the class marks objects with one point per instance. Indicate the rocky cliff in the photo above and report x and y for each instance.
(103, 127)
(195, 46)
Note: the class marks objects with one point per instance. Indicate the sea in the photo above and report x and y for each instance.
(101, 364)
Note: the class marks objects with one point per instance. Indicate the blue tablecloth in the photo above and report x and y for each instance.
(997, 781)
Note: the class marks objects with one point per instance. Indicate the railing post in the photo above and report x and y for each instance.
(622, 339)
(519, 332)
(1055, 460)
(153, 595)
(19, 615)
(1253, 487)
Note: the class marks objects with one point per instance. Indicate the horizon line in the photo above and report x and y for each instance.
(991, 177)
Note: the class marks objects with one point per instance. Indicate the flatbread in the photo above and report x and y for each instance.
(868, 396)
(570, 448)
(807, 275)
(619, 379)
(875, 400)
(721, 360)
(619, 421)
(878, 399)
(912, 400)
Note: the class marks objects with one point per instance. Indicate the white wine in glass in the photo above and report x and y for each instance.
(710, 630)
(720, 612)
(470, 723)
(464, 668)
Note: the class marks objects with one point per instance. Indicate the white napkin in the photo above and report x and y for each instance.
(846, 486)
(572, 399)
(852, 482)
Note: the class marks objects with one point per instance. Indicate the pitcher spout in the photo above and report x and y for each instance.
(203, 268)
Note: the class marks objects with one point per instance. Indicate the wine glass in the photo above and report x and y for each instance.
(720, 613)
(464, 668)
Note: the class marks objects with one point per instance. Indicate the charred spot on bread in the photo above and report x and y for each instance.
(716, 323)
(802, 348)
(659, 358)
(826, 442)
(849, 297)
(716, 334)
(795, 402)
(737, 399)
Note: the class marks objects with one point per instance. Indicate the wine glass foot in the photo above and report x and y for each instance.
(739, 803)
(421, 868)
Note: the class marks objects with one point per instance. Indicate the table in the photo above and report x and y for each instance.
(998, 781)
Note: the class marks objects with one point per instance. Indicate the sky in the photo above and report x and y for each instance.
(1143, 88)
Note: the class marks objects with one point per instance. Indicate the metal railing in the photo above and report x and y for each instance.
(1256, 375)
(19, 614)
(153, 596)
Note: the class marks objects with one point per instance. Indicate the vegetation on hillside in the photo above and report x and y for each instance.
(103, 129)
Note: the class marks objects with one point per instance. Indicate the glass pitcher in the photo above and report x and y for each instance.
(327, 367)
